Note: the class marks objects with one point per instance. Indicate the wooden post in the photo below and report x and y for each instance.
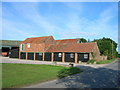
(76, 57)
(19, 55)
(52, 57)
(34, 56)
(63, 57)
(43, 56)
(26, 55)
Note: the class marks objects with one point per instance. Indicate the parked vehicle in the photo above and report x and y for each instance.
(4, 54)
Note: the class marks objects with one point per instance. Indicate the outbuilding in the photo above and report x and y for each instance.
(8, 45)
(67, 50)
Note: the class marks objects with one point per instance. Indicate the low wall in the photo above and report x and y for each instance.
(103, 57)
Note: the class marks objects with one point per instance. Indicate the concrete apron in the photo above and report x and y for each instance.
(22, 61)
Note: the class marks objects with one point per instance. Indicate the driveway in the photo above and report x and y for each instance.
(100, 77)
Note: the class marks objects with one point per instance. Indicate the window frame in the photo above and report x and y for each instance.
(59, 54)
(28, 45)
(71, 55)
(85, 56)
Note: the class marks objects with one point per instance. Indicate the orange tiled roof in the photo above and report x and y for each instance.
(78, 47)
(36, 40)
(66, 41)
(66, 45)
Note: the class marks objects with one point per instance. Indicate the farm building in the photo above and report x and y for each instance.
(67, 50)
(8, 45)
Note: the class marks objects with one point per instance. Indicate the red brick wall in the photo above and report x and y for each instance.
(39, 47)
(34, 48)
(96, 53)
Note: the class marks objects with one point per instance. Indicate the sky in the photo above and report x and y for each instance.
(62, 20)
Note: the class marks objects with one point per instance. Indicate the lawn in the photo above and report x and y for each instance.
(17, 75)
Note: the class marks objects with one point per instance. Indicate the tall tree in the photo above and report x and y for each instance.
(107, 47)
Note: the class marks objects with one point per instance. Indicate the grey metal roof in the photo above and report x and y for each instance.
(10, 42)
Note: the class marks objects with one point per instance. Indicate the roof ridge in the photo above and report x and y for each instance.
(40, 37)
(66, 39)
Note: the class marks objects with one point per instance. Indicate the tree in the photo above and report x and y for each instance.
(83, 40)
(107, 47)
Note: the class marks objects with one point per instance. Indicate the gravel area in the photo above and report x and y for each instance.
(23, 61)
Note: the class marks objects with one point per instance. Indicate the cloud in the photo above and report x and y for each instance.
(28, 20)
(30, 23)
(30, 11)
(12, 30)
(79, 26)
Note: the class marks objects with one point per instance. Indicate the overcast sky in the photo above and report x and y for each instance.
(90, 20)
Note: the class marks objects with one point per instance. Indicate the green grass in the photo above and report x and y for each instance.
(68, 71)
(105, 61)
(17, 75)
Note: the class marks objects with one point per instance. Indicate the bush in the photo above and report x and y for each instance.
(69, 71)
(90, 61)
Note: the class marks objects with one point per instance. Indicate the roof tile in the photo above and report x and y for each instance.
(78, 47)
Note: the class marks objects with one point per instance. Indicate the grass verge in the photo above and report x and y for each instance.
(105, 61)
(17, 75)
(90, 61)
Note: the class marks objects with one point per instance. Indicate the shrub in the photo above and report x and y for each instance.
(69, 71)
(90, 61)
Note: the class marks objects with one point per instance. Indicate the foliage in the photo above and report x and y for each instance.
(16, 75)
(90, 61)
(93, 55)
(68, 71)
(107, 47)
(105, 61)
(118, 55)
(83, 40)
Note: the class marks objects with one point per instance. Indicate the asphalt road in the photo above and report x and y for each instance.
(101, 77)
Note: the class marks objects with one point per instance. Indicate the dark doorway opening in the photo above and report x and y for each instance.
(58, 56)
(23, 55)
(39, 56)
(84, 57)
(70, 57)
(47, 56)
(31, 56)
(14, 53)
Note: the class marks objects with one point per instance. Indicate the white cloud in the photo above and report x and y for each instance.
(74, 26)
(30, 12)
(79, 26)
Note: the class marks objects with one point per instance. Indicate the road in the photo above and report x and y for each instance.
(101, 77)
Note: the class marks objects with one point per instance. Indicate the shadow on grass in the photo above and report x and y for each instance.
(92, 78)
(68, 71)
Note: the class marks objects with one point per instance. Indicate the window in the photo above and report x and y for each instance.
(28, 45)
(22, 47)
(60, 55)
(40, 54)
(85, 56)
(71, 55)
